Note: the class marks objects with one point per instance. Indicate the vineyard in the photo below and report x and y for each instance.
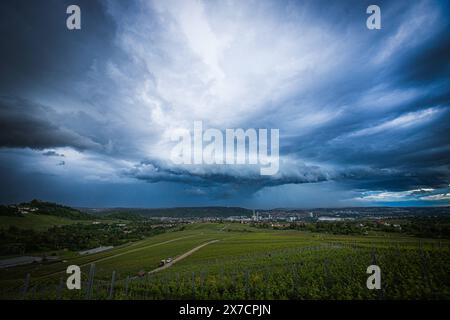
(247, 263)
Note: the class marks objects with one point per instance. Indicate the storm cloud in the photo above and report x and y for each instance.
(26, 124)
(363, 114)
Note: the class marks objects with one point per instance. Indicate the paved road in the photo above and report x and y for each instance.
(181, 257)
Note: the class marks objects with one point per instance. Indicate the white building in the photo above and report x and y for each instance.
(95, 250)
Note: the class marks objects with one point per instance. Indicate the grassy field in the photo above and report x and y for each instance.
(250, 263)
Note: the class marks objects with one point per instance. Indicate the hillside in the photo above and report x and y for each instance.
(40, 215)
(37, 222)
(38, 207)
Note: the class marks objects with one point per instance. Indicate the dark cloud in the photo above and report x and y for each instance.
(428, 63)
(24, 124)
(214, 180)
(38, 49)
(52, 153)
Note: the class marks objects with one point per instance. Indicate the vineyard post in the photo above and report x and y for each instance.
(247, 284)
(127, 280)
(202, 282)
(111, 289)
(294, 280)
(327, 274)
(193, 285)
(233, 281)
(397, 247)
(146, 282)
(151, 280)
(26, 284)
(60, 288)
(265, 280)
(178, 282)
(90, 281)
(33, 292)
(164, 285)
(425, 272)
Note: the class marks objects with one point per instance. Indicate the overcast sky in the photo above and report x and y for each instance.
(86, 116)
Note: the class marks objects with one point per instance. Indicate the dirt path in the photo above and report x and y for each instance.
(114, 256)
(133, 250)
(181, 257)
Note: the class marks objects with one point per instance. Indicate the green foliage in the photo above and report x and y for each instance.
(53, 209)
(73, 237)
(9, 211)
(418, 226)
(37, 222)
(427, 227)
(124, 216)
(261, 264)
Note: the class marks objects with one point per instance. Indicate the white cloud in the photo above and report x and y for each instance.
(427, 194)
(204, 62)
(437, 197)
(401, 122)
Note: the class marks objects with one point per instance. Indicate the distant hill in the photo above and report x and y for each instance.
(180, 212)
(37, 207)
